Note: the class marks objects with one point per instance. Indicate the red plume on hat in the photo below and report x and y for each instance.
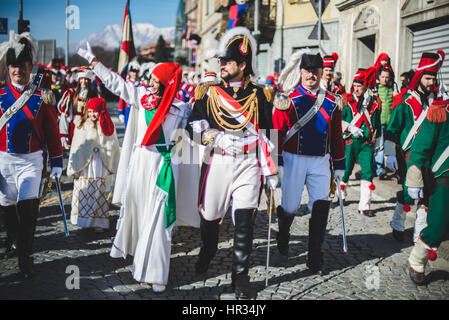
(106, 124)
(367, 77)
(330, 61)
(430, 62)
(169, 74)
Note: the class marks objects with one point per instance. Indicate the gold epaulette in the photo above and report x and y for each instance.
(437, 111)
(2, 83)
(202, 88)
(48, 97)
(269, 94)
(282, 101)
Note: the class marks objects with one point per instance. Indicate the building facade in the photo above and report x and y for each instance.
(401, 28)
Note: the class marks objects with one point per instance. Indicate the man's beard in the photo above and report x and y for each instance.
(230, 76)
(425, 90)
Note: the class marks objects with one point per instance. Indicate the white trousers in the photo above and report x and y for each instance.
(230, 178)
(20, 176)
(314, 172)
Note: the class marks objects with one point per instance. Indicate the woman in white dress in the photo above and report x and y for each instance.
(148, 187)
(93, 162)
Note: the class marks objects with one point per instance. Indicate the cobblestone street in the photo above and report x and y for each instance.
(373, 268)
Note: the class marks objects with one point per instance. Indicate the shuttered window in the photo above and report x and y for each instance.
(430, 40)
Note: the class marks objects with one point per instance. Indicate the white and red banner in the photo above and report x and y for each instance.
(128, 51)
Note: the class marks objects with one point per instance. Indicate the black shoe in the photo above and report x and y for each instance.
(398, 235)
(368, 213)
(283, 236)
(242, 287)
(202, 265)
(418, 278)
(209, 238)
(11, 250)
(26, 266)
(317, 230)
(383, 176)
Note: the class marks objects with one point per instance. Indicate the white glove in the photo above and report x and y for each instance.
(356, 132)
(272, 181)
(228, 143)
(415, 193)
(338, 175)
(392, 163)
(121, 117)
(64, 142)
(56, 172)
(86, 54)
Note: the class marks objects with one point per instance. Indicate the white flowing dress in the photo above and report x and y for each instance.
(141, 230)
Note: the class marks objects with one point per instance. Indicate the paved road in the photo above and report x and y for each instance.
(374, 267)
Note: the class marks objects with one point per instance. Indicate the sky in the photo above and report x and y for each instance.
(47, 17)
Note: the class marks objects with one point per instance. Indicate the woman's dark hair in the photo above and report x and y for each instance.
(90, 94)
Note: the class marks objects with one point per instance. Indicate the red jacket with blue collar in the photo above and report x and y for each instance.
(32, 128)
(321, 135)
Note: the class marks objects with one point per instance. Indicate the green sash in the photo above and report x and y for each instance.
(165, 180)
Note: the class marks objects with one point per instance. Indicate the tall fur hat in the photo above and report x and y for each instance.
(19, 48)
(290, 75)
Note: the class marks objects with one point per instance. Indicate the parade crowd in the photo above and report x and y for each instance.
(199, 146)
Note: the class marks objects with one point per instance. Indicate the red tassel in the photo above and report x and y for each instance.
(437, 112)
(342, 187)
(372, 187)
(406, 208)
(432, 256)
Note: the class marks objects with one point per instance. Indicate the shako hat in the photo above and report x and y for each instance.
(19, 49)
(430, 63)
(330, 61)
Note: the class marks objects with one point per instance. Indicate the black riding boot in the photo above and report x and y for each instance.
(209, 239)
(27, 211)
(317, 228)
(285, 220)
(243, 242)
(12, 229)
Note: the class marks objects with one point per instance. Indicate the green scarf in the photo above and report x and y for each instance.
(165, 180)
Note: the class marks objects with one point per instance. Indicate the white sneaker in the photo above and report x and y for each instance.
(158, 288)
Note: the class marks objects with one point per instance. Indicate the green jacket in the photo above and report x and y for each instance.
(350, 110)
(430, 142)
(402, 120)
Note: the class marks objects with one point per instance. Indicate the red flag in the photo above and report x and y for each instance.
(128, 51)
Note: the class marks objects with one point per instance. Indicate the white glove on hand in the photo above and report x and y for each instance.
(56, 172)
(86, 54)
(272, 181)
(228, 143)
(64, 142)
(121, 117)
(415, 193)
(392, 163)
(356, 132)
(338, 175)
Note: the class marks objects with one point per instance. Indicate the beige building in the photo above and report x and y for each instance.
(401, 28)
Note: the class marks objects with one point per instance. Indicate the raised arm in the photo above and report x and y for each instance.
(112, 81)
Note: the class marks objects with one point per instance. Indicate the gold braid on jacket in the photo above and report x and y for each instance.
(249, 104)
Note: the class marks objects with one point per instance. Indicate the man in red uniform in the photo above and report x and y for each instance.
(309, 122)
(28, 129)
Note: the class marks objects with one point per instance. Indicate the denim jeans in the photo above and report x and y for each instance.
(379, 158)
